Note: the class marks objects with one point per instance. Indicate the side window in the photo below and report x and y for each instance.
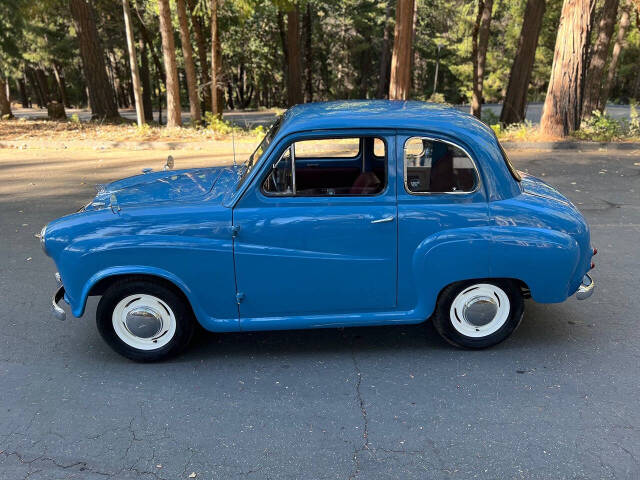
(329, 167)
(432, 166)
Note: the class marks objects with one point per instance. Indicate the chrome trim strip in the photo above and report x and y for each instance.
(384, 220)
(586, 288)
(293, 167)
(473, 162)
(56, 309)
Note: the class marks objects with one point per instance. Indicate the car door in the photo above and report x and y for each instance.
(314, 250)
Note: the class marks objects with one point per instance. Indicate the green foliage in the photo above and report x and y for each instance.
(217, 124)
(75, 119)
(601, 128)
(489, 117)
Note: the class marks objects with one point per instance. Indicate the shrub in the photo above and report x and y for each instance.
(217, 124)
(600, 127)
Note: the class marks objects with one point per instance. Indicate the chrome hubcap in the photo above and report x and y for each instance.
(143, 322)
(480, 310)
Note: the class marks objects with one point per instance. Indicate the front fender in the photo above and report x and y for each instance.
(78, 305)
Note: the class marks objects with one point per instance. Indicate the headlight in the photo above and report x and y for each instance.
(43, 232)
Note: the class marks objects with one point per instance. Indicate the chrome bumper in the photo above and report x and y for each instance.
(56, 309)
(585, 290)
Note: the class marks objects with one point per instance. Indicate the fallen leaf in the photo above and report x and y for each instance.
(193, 475)
(28, 259)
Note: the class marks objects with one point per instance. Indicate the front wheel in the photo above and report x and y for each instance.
(144, 320)
(478, 314)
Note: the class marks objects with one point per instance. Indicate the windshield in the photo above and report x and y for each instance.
(255, 157)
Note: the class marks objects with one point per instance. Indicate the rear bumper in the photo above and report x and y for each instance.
(585, 290)
(56, 309)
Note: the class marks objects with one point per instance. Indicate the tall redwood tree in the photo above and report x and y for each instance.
(515, 100)
(563, 105)
(101, 95)
(401, 58)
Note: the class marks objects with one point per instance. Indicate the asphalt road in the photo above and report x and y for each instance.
(558, 400)
(250, 119)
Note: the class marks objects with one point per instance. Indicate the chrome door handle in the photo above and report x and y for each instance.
(384, 220)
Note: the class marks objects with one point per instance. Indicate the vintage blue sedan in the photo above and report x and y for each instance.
(349, 213)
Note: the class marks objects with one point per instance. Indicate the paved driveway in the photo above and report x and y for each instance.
(560, 399)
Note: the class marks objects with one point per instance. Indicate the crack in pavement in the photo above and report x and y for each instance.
(363, 411)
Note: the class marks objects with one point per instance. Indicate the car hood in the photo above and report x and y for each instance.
(535, 186)
(166, 186)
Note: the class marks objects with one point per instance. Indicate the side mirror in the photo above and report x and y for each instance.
(169, 164)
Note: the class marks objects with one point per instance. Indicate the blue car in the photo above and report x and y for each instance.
(349, 213)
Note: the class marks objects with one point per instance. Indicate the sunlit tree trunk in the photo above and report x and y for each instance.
(133, 62)
(600, 52)
(480, 43)
(401, 59)
(515, 100)
(174, 113)
(562, 107)
(101, 95)
(189, 66)
(217, 85)
(294, 70)
(615, 56)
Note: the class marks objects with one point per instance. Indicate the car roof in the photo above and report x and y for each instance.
(394, 114)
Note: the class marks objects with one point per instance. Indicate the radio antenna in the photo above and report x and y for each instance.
(233, 143)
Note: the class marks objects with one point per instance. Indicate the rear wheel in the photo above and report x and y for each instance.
(144, 320)
(478, 314)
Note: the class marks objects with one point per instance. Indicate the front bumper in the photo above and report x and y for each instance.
(585, 290)
(56, 309)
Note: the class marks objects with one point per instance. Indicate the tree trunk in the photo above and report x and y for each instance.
(62, 88)
(401, 59)
(35, 88)
(43, 84)
(189, 66)
(294, 68)
(217, 82)
(174, 113)
(515, 100)
(308, 54)
(625, 20)
(201, 43)
(145, 77)
(593, 84)
(133, 62)
(5, 106)
(22, 88)
(383, 81)
(562, 107)
(480, 43)
(101, 96)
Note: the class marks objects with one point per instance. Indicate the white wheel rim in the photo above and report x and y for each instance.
(480, 310)
(144, 322)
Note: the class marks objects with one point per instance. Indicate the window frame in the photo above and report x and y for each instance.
(432, 139)
(294, 194)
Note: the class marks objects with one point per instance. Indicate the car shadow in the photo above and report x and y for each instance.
(544, 326)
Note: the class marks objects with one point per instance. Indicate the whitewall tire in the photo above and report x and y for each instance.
(478, 314)
(144, 320)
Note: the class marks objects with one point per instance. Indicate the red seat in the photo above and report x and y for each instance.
(366, 183)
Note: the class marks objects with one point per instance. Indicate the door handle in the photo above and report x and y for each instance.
(384, 220)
